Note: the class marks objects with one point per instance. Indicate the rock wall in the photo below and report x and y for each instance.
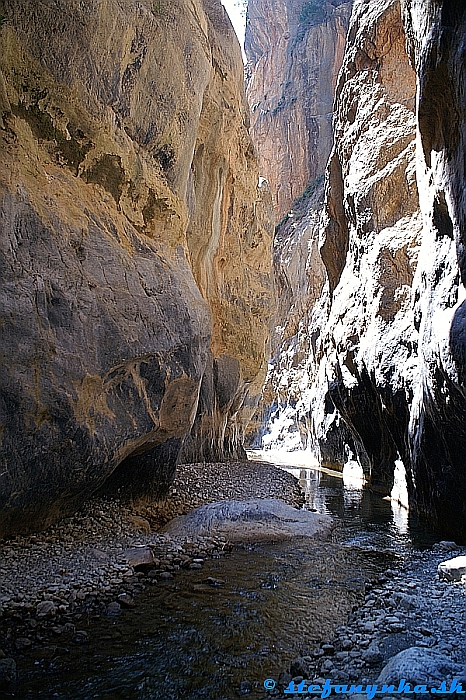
(135, 249)
(436, 33)
(382, 375)
(294, 50)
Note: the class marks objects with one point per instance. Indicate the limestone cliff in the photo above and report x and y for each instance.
(383, 373)
(294, 50)
(436, 33)
(134, 249)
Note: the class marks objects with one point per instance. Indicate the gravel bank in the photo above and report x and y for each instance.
(405, 608)
(86, 562)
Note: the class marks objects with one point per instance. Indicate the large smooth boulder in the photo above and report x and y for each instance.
(452, 569)
(418, 666)
(250, 520)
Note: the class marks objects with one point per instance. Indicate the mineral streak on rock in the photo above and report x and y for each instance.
(134, 249)
(294, 50)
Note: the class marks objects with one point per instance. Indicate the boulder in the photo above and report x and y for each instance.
(452, 569)
(417, 666)
(140, 558)
(46, 608)
(251, 520)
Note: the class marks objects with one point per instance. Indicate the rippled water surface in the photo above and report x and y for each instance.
(186, 639)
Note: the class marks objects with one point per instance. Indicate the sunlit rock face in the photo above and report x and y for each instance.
(382, 370)
(338, 334)
(369, 242)
(294, 50)
(135, 249)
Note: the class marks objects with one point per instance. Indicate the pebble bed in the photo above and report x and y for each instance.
(404, 608)
(51, 580)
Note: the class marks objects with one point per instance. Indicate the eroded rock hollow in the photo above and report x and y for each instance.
(135, 250)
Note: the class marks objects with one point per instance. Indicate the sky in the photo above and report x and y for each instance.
(237, 12)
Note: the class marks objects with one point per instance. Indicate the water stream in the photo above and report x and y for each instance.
(188, 640)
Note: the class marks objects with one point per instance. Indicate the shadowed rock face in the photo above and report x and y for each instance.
(436, 34)
(384, 372)
(294, 50)
(134, 250)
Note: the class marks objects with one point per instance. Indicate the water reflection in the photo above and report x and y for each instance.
(365, 518)
(187, 641)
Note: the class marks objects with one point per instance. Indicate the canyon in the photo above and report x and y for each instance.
(143, 289)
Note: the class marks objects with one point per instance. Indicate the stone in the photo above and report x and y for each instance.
(253, 519)
(23, 643)
(372, 655)
(215, 582)
(140, 558)
(46, 608)
(417, 665)
(300, 668)
(368, 627)
(7, 673)
(326, 666)
(165, 576)
(452, 569)
(407, 602)
(446, 546)
(113, 609)
(126, 601)
(80, 637)
(245, 688)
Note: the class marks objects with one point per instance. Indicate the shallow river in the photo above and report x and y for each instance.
(188, 640)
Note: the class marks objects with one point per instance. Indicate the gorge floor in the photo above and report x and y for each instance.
(210, 623)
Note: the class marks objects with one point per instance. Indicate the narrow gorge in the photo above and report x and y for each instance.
(141, 293)
(209, 259)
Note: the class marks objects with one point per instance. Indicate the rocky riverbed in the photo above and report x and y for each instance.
(57, 585)
(108, 553)
(411, 626)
